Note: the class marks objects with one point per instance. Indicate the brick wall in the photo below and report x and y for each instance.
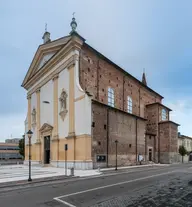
(96, 75)
(121, 127)
(168, 133)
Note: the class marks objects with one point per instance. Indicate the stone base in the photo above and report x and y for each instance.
(169, 157)
(26, 162)
(78, 165)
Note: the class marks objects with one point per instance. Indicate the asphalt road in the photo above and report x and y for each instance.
(141, 187)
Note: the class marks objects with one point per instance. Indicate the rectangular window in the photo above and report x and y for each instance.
(111, 98)
(129, 104)
(163, 115)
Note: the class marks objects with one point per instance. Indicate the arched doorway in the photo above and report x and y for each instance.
(46, 134)
(190, 156)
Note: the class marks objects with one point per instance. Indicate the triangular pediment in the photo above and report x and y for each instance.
(46, 127)
(43, 55)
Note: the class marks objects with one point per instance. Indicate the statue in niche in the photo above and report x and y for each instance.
(63, 104)
(34, 117)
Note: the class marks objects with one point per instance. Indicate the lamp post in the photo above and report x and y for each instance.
(29, 133)
(116, 142)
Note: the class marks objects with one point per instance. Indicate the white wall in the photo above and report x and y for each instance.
(46, 109)
(63, 83)
(83, 116)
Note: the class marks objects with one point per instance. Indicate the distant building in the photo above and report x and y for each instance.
(14, 140)
(185, 141)
(9, 151)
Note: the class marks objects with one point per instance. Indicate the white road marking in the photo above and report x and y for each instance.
(64, 202)
(106, 186)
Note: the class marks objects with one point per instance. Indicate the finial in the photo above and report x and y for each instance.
(144, 81)
(46, 36)
(45, 27)
(73, 23)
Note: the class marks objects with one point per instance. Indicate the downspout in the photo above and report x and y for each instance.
(123, 93)
(140, 103)
(97, 84)
(158, 138)
(136, 138)
(107, 136)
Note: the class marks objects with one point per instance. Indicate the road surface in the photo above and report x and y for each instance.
(141, 187)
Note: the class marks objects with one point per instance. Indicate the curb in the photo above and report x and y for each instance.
(136, 166)
(34, 181)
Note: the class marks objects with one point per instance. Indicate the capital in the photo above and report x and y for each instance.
(56, 76)
(29, 96)
(38, 90)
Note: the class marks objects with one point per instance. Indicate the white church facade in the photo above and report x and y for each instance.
(59, 110)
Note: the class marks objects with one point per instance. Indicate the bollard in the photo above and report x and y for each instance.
(98, 168)
(72, 171)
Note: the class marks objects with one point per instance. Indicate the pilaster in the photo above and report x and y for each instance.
(55, 105)
(29, 112)
(71, 101)
(38, 114)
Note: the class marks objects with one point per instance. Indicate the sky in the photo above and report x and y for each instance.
(135, 34)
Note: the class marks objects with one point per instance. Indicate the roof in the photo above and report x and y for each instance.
(184, 136)
(113, 108)
(122, 70)
(168, 121)
(160, 105)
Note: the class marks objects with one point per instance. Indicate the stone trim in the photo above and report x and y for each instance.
(66, 64)
(79, 98)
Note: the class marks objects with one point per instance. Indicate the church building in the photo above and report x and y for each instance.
(81, 101)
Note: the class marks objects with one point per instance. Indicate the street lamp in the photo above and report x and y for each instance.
(29, 133)
(116, 142)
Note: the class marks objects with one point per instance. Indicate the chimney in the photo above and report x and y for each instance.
(46, 37)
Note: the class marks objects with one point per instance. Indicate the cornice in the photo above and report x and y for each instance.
(66, 64)
(53, 62)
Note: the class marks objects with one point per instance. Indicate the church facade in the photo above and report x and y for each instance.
(79, 99)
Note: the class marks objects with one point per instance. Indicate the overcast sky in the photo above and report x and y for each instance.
(135, 34)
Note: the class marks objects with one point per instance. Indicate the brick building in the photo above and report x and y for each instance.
(99, 103)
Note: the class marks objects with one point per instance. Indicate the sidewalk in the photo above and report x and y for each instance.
(18, 174)
(133, 166)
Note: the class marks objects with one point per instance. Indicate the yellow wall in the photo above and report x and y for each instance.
(79, 149)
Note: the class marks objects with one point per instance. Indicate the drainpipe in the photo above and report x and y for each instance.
(139, 103)
(123, 93)
(107, 135)
(158, 138)
(136, 137)
(97, 84)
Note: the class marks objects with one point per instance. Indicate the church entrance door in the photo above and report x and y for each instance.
(47, 150)
(150, 154)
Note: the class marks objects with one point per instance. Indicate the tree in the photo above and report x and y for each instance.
(182, 151)
(22, 146)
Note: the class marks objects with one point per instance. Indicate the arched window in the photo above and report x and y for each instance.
(163, 115)
(111, 99)
(129, 104)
